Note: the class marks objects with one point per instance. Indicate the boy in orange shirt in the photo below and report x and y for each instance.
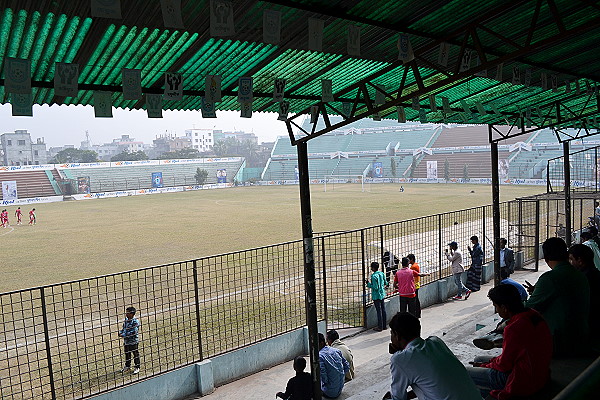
(415, 267)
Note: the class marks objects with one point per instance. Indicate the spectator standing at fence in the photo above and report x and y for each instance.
(597, 214)
(474, 273)
(405, 284)
(333, 368)
(415, 267)
(455, 257)
(32, 217)
(588, 237)
(18, 214)
(129, 333)
(523, 368)
(582, 258)
(562, 296)
(390, 263)
(507, 257)
(299, 387)
(426, 365)
(333, 340)
(377, 286)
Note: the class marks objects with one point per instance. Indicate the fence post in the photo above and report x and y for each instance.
(440, 245)
(325, 311)
(47, 341)
(364, 287)
(483, 239)
(536, 249)
(567, 172)
(197, 300)
(382, 251)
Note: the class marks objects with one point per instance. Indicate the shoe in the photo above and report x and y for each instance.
(458, 297)
(490, 341)
(136, 370)
(378, 329)
(125, 369)
(467, 294)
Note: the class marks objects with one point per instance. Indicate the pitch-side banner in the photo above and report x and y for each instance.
(9, 190)
(432, 170)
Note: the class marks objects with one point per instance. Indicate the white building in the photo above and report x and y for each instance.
(17, 148)
(202, 139)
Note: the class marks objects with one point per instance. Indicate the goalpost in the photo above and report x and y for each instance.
(330, 182)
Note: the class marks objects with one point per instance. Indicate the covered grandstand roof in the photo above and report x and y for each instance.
(538, 56)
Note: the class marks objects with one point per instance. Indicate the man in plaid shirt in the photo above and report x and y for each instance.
(129, 333)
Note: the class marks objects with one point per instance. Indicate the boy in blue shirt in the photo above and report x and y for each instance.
(129, 333)
(377, 285)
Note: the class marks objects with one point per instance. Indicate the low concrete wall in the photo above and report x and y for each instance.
(205, 376)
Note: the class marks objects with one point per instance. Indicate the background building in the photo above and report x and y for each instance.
(201, 139)
(18, 149)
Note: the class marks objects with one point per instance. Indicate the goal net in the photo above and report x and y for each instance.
(336, 182)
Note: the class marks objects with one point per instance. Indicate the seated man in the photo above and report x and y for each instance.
(562, 296)
(507, 281)
(333, 340)
(300, 386)
(426, 365)
(582, 258)
(333, 369)
(523, 368)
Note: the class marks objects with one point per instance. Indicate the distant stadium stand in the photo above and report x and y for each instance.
(32, 183)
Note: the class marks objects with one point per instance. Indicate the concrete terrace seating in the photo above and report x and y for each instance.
(140, 176)
(478, 164)
(469, 136)
(30, 183)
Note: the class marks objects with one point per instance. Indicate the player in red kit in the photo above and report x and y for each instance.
(18, 214)
(4, 218)
(32, 217)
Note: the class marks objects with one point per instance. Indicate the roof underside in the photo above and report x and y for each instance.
(553, 37)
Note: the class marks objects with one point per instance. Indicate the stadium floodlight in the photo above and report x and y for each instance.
(329, 182)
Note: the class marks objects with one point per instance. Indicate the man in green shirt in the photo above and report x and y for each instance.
(562, 296)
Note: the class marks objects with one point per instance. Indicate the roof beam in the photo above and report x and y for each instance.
(442, 83)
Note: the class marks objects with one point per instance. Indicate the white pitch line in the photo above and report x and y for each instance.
(6, 233)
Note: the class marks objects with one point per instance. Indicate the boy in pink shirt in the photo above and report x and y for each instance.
(404, 280)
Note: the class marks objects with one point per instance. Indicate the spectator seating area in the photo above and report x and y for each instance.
(113, 178)
(32, 183)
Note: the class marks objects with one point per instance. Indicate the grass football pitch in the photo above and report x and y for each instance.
(81, 239)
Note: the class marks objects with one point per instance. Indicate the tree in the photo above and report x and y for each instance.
(413, 167)
(187, 152)
(393, 166)
(466, 171)
(126, 156)
(446, 170)
(201, 176)
(74, 156)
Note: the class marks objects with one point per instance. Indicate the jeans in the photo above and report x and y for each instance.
(410, 303)
(129, 349)
(381, 316)
(487, 379)
(461, 287)
(417, 304)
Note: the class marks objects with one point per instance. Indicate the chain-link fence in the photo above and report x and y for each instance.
(585, 171)
(61, 341)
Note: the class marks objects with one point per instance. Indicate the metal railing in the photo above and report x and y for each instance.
(585, 171)
(61, 341)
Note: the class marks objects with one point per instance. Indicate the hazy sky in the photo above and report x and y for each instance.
(60, 125)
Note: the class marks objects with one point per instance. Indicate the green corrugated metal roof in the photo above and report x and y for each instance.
(47, 32)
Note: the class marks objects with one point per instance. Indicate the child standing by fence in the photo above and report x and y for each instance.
(129, 333)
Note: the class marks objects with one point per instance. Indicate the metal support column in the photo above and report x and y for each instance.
(567, 173)
(496, 209)
(309, 268)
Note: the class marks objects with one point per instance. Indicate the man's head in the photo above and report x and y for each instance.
(453, 245)
(404, 262)
(322, 341)
(503, 243)
(581, 256)
(404, 328)
(332, 336)
(506, 300)
(130, 312)
(555, 251)
(411, 258)
(299, 364)
(585, 236)
(474, 239)
(374, 266)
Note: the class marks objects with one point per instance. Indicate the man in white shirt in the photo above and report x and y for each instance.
(426, 365)
(507, 257)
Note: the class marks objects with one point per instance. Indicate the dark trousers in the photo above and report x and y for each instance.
(417, 304)
(129, 349)
(410, 303)
(381, 316)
